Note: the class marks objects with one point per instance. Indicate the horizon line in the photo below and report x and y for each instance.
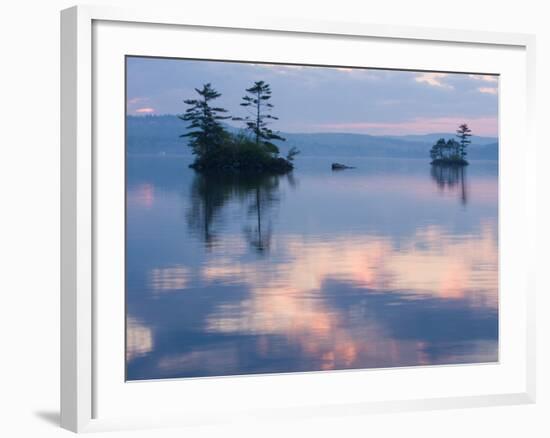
(495, 136)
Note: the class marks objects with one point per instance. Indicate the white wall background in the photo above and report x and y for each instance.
(29, 217)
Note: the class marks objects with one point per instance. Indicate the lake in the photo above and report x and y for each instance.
(391, 264)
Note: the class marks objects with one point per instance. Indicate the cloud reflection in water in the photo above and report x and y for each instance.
(268, 276)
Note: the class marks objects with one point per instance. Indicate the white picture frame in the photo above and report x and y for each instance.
(84, 381)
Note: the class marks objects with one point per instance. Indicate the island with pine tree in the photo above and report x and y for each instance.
(452, 152)
(251, 150)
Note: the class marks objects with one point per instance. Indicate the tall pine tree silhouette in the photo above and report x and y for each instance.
(258, 118)
(463, 133)
(205, 130)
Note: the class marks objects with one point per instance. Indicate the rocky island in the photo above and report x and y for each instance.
(452, 152)
(217, 150)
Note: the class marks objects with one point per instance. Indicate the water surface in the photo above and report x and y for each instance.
(394, 263)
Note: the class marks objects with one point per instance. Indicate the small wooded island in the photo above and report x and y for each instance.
(251, 150)
(452, 152)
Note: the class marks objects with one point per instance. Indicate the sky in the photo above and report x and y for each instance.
(323, 99)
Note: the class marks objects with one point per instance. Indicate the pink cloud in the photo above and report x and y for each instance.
(485, 78)
(145, 110)
(136, 100)
(421, 125)
(488, 90)
(433, 79)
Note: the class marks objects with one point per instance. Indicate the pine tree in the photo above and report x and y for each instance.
(258, 118)
(436, 152)
(292, 152)
(206, 132)
(463, 133)
(453, 147)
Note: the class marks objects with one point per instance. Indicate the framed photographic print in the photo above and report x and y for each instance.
(291, 218)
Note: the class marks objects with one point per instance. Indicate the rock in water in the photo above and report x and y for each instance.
(338, 166)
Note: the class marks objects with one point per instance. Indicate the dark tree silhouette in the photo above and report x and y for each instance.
(453, 148)
(206, 131)
(437, 150)
(257, 121)
(292, 152)
(463, 133)
(216, 149)
(452, 152)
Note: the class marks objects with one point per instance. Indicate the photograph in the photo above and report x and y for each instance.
(287, 218)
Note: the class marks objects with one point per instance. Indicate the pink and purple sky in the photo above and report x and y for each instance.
(324, 99)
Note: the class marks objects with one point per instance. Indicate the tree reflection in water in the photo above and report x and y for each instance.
(210, 193)
(452, 179)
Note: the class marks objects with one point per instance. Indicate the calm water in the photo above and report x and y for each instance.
(389, 264)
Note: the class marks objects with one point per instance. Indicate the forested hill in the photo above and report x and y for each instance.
(160, 134)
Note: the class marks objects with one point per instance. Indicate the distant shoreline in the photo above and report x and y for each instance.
(161, 133)
(298, 159)
(489, 138)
